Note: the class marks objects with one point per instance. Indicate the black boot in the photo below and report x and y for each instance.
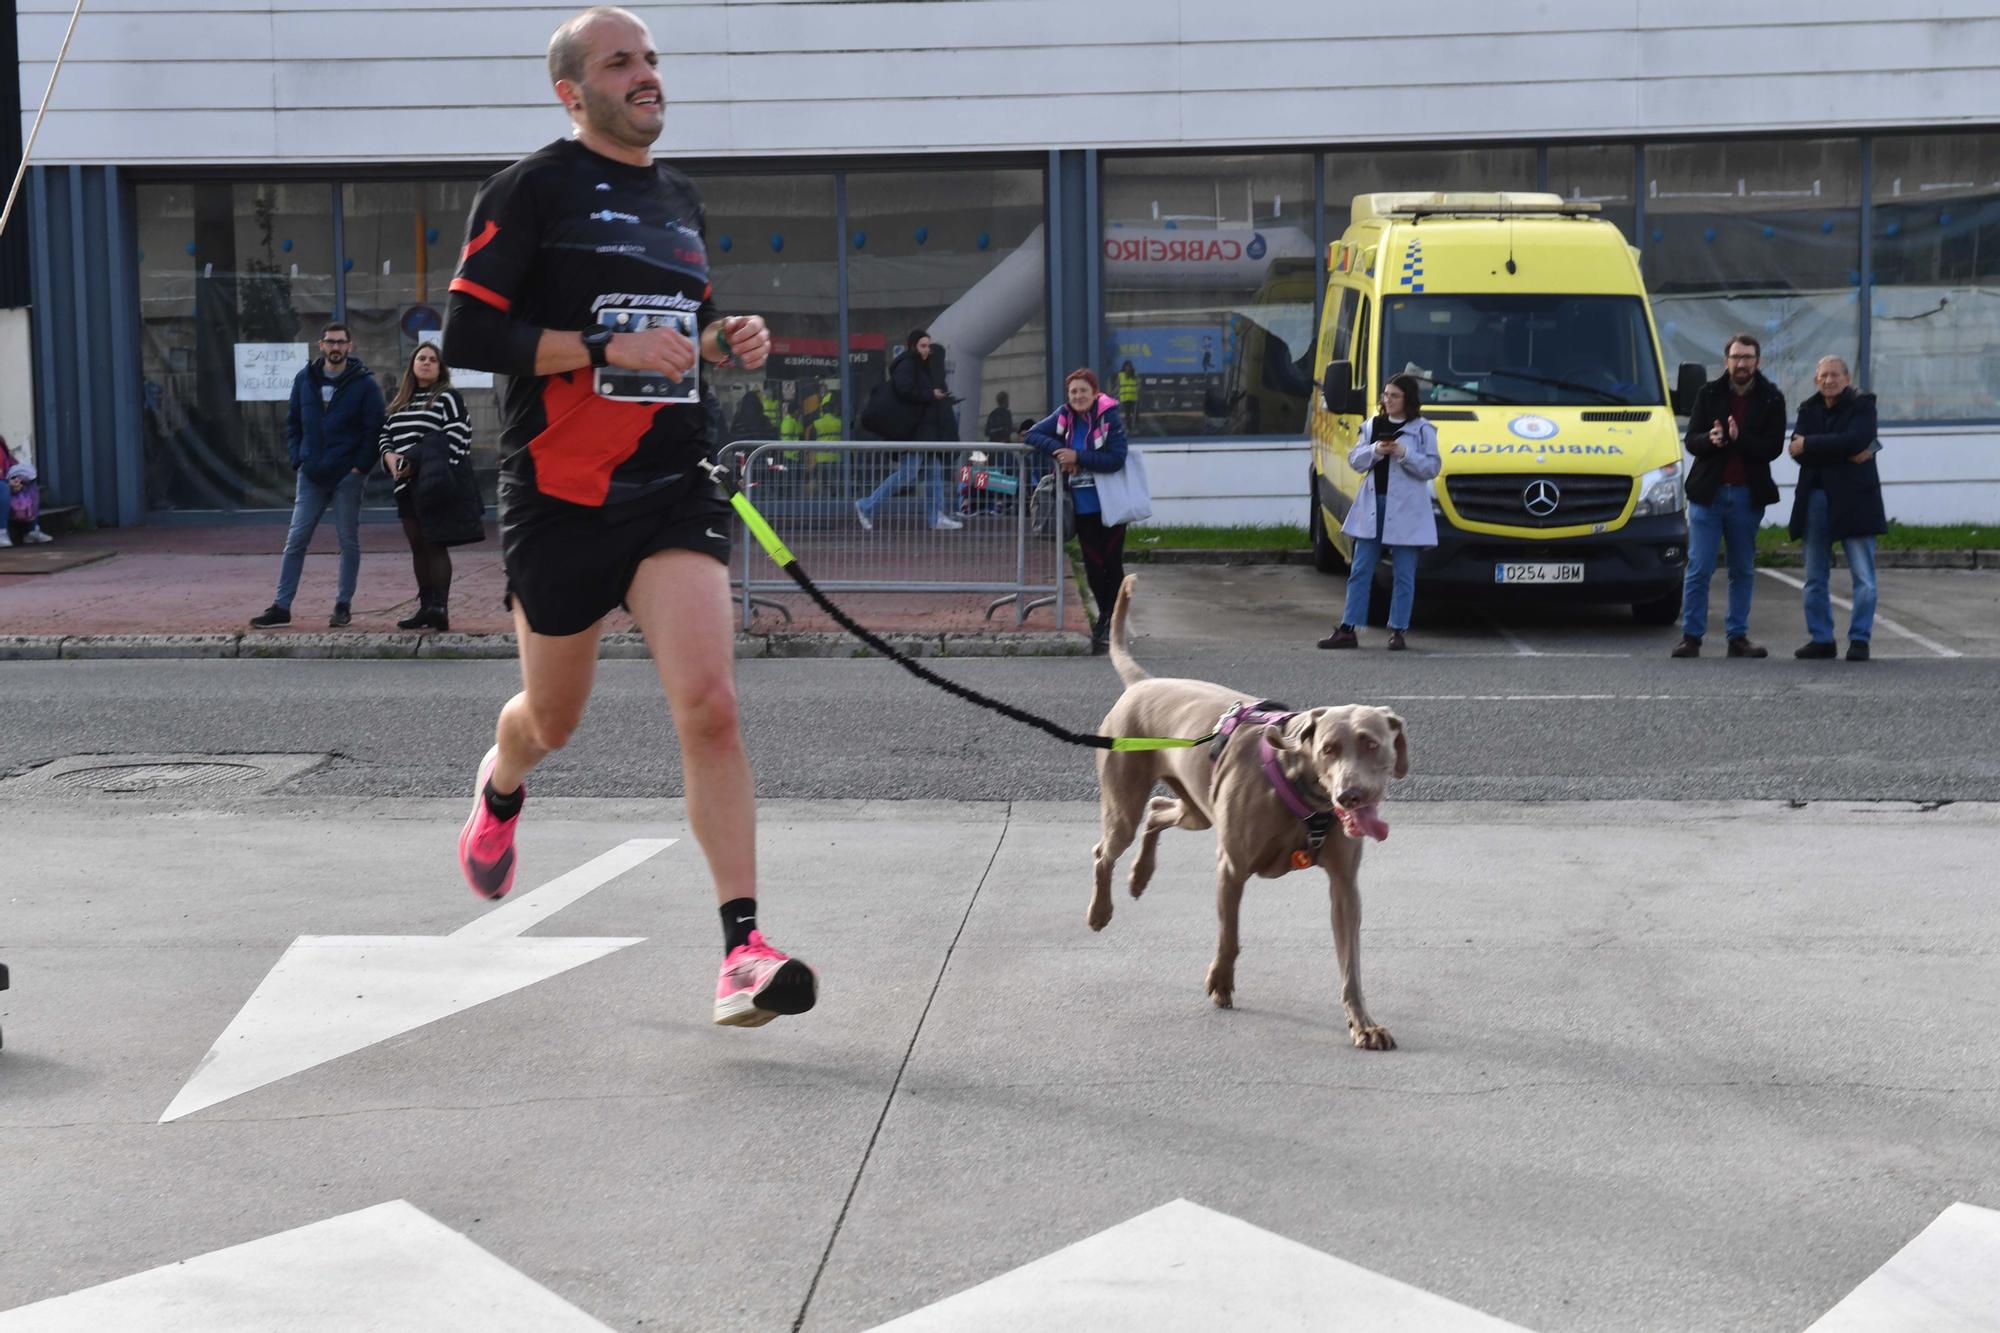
(439, 620)
(1100, 637)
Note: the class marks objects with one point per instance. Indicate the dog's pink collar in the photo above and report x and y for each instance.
(1267, 754)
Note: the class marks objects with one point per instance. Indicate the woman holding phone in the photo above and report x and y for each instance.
(1398, 450)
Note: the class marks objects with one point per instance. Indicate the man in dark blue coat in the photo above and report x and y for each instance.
(331, 432)
(1839, 499)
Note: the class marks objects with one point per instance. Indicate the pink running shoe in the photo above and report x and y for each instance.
(758, 983)
(486, 844)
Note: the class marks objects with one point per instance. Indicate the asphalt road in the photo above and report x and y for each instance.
(1503, 703)
(1704, 1062)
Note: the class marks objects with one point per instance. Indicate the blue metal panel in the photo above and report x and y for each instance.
(121, 338)
(1864, 376)
(1071, 332)
(1058, 208)
(83, 396)
(850, 411)
(339, 254)
(1093, 263)
(48, 458)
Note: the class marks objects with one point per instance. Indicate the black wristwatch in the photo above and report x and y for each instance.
(597, 341)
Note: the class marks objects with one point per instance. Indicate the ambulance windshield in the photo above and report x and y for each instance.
(1527, 351)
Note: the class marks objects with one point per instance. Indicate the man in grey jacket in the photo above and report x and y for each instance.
(331, 431)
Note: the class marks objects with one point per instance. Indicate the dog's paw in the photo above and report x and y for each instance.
(1221, 987)
(1372, 1038)
(1099, 915)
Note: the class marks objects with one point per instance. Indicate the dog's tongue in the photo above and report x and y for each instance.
(1366, 821)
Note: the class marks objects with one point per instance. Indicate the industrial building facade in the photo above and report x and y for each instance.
(1155, 190)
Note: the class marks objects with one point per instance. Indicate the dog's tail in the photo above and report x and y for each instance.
(1129, 671)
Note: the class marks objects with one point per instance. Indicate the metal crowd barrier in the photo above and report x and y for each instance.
(959, 518)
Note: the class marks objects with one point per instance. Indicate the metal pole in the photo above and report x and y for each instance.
(28, 148)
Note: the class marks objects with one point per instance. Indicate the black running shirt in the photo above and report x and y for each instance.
(553, 239)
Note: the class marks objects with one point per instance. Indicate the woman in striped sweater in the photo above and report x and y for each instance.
(424, 403)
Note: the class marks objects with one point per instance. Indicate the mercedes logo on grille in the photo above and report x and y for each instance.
(1541, 497)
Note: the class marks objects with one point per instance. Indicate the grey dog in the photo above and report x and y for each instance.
(1339, 760)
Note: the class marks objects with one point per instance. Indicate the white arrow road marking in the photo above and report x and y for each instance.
(389, 1269)
(332, 995)
(1947, 1280)
(1183, 1268)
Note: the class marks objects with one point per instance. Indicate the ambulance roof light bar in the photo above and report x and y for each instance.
(1509, 203)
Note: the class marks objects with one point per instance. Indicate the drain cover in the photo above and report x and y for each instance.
(225, 776)
(156, 777)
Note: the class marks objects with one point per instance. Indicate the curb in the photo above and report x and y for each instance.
(494, 647)
(1787, 558)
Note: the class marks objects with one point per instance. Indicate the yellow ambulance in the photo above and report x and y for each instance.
(1524, 319)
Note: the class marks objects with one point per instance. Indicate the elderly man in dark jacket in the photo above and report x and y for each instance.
(331, 432)
(1839, 499)
(1736, 429)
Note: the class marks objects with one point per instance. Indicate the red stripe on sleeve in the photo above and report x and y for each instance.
(486, 294)
(480, 242)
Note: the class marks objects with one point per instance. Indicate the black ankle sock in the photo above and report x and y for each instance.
(739, 918)
(503, 807)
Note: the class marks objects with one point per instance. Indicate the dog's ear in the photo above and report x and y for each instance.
(1402, 744)
(1304, 733)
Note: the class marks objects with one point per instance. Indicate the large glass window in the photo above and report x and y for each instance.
(773, 251)
(1600, 174)
(1758, 236)
(1210, 284)
(961, 254)
(1935, 335)
(402, 240)
(234, 283)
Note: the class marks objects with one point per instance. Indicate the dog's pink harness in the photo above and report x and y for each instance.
(1268, 712)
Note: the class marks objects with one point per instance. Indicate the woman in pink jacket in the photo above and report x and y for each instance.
(1085, 437)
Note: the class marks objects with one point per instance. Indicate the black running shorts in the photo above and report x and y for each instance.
(569, 565)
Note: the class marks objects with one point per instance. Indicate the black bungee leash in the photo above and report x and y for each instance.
(767, 538)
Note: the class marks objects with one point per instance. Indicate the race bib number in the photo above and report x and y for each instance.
(642, 386)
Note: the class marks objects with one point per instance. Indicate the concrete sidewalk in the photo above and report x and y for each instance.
(190, 592)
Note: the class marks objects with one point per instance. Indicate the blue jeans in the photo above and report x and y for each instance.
(345, 497)
(1731, 520)
(1361, 579)
(908, 468)
(1819, 568)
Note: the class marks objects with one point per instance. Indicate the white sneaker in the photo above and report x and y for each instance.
(946, 521)
(867, 523)
(35, 537)
(5, 540)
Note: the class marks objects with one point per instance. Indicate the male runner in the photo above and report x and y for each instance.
(602, 500)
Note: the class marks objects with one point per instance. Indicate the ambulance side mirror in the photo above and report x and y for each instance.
(1337, 391)
(1693, 375)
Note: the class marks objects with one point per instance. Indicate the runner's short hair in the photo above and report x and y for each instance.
(566, 53)
(335, 326)
(1747, 339)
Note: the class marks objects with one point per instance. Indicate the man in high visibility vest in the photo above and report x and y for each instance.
(1128, 394)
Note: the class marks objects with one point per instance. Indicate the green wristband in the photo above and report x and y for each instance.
(722, 343)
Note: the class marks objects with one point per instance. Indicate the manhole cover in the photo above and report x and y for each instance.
(155, 777)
